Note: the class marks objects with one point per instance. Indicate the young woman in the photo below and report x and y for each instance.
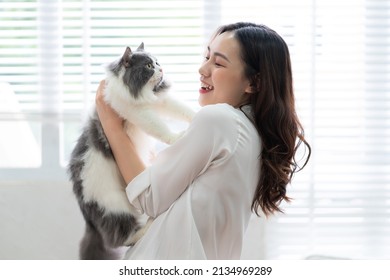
(237, 156)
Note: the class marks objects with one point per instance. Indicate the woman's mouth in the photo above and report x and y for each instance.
(205, 88)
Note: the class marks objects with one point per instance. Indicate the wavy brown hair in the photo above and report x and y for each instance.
(268, 68)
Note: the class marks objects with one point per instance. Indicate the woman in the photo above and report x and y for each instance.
(237, 156)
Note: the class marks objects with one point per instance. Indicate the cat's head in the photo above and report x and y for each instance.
(139, 71)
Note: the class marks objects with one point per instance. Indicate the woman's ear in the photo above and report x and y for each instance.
(253, 84)
(249, 89)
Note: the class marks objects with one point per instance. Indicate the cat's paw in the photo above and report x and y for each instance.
(134, 238)
(180, 134)
(138, 234)
(189, 115)
(174, 137)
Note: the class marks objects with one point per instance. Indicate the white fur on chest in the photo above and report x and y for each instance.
(103, 183)
(146, 111)
(143, 143)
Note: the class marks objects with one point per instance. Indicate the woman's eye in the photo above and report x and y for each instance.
(219, 64)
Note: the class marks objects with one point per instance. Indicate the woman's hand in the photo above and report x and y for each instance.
(108, 117)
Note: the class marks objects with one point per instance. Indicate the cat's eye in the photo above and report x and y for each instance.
(150, 65)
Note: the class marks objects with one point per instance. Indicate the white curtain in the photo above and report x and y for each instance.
(51, 56)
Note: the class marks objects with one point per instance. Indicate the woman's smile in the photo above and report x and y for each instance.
(205, 88)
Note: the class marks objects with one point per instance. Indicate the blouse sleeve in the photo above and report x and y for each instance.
(209, 139)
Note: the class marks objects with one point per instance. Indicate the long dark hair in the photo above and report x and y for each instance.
(268, 68)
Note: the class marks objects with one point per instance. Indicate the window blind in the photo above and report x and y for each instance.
(96, 33)
(19, 84)
(51, 56)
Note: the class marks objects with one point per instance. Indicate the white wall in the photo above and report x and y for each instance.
(39, 221)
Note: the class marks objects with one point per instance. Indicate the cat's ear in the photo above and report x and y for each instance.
(126, 57)
(141, 47)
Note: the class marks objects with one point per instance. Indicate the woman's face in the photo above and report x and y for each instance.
(222, 73)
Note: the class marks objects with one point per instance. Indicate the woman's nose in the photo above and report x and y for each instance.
(203, 69)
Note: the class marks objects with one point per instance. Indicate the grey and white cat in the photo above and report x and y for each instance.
(137, 90)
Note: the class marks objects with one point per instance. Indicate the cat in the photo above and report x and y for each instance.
(137, 90)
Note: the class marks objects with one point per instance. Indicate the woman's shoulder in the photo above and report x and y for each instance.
(216, 113)
(220, 120)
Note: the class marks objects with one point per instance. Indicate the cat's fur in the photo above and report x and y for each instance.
(137, 91)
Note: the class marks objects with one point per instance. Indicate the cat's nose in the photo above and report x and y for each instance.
(161, 70)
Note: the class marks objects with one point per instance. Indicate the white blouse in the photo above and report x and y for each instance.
(200, 189)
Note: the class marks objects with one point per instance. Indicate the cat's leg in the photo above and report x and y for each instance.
(116, 228)
(177, 109)
(141, 232)
(151, 123)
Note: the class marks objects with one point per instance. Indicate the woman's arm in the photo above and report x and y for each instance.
(129, 162)
(209, 141)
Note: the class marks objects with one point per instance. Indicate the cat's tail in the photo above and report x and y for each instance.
(92, 246)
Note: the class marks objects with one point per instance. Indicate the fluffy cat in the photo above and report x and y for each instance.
(137, 90)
